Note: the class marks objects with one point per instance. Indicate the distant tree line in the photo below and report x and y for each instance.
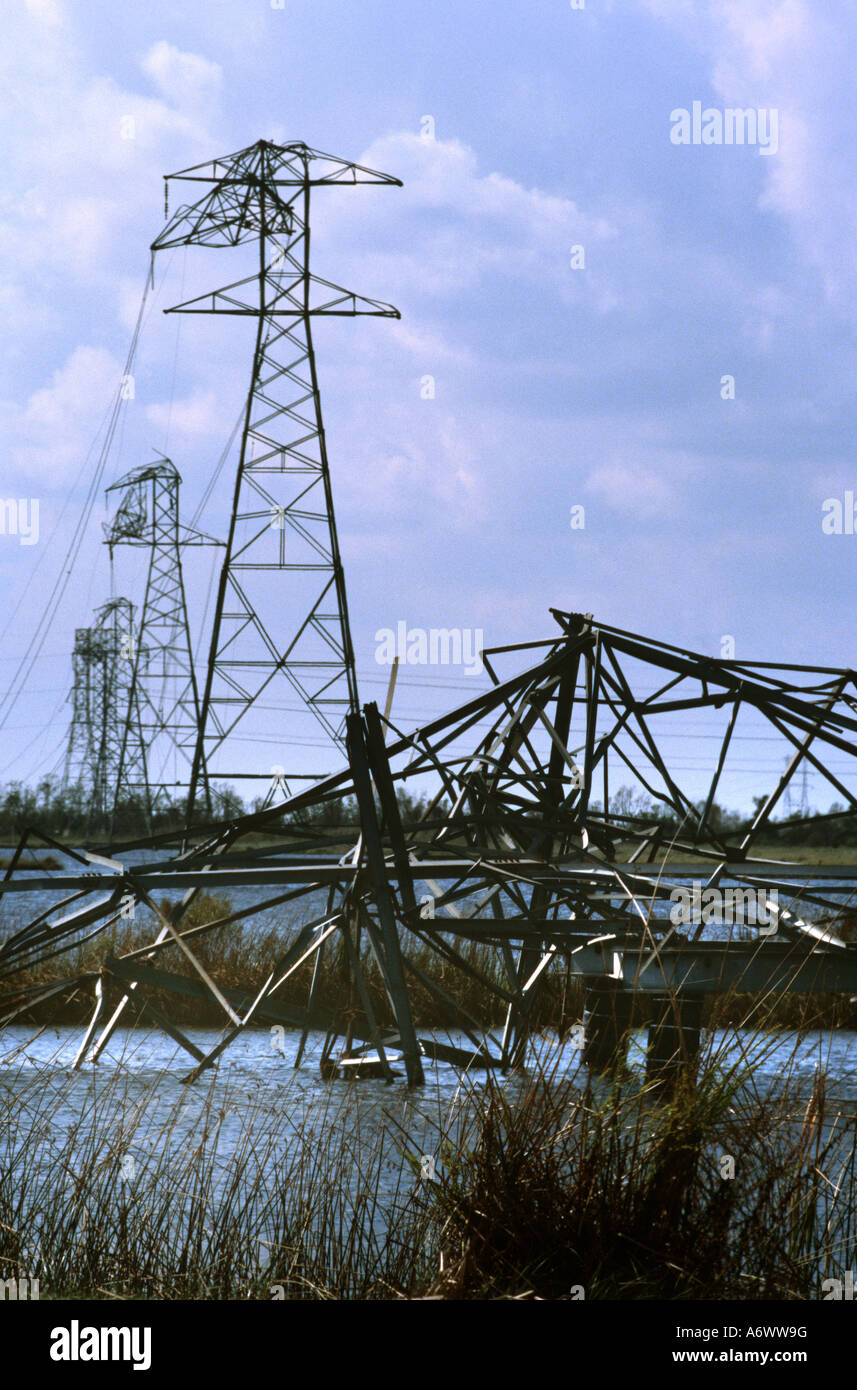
(837, 826)
(65, 813)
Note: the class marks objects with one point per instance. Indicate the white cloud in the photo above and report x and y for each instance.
(48, 12)
(636, 490)
(766, 36)
(196, 416)
(85, 168)
(47, 438)
(395, 454)
(183, 78)
(469, 224)
(427, 344)
(440, 465)
(790, 56)
(674, 10)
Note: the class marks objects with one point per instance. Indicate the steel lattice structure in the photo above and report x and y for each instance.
(519, 849)
(282, 516)
(524, 847)
(163, 700)
(106, 757)
(79, 754)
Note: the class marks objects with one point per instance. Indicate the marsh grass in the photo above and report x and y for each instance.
(548, 1181)
(132, 1199)
(240, 956)
(617, 1190)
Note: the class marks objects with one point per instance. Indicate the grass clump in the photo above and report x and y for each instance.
(549, 1184)
(627, 1191)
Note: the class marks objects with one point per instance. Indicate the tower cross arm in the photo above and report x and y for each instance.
(294, 164)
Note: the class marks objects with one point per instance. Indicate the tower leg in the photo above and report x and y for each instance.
(674, 1035)
(608, 1006)
(392, 966)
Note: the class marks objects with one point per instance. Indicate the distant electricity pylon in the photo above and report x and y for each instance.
(797, 803)
(106, 757)
(163, 709)
(804, 791)
(282, 514)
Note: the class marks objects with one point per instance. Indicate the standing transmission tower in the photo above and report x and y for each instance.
(804, 791)
(788, 799)
(163, 687)
(106, 757)
(797, 802)
(80, 754)
(282, 515)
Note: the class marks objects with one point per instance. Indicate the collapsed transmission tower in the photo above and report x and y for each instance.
(523, 853)
(282, 515)
(163, 700)
(106, 758)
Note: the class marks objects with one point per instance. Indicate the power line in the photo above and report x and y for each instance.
(50, 609)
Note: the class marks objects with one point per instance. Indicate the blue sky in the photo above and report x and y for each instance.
(554, 386)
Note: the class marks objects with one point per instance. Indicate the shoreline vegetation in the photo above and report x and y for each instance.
(240, 956)
(823, 856)
(64, 813)
(723, 1181)
(29, 861)
(550, 1182)
(544, 1184)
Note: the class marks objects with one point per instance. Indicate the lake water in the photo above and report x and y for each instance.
(258, 1069)
(135, 1105)
(297, 1130)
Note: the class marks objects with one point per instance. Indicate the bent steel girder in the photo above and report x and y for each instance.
(521, 852)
